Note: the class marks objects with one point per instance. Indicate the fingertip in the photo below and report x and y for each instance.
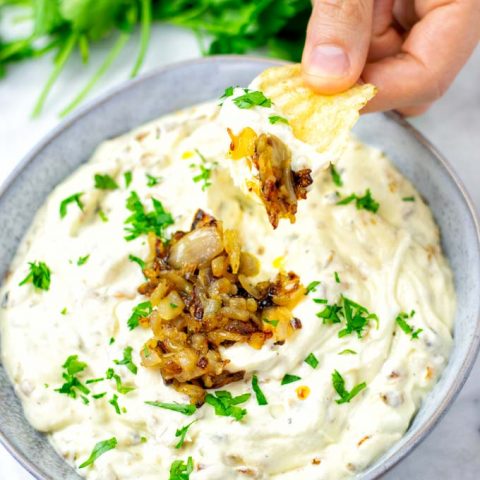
(327, 69)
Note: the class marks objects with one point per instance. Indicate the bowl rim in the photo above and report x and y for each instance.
(91, 105)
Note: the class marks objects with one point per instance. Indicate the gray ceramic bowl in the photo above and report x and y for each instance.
(184, 84)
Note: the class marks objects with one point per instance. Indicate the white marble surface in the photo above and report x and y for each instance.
(453, 125)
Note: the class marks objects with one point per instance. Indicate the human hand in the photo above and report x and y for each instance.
(410, 49)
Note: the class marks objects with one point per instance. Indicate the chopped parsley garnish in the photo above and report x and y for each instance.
(312, 287)
(94, 380)
(127, 360)
(121, 388)
(287, 378)
(97, 396)
(312, 360)
(365, 202)
(83, 260)
(152, 181)
(173, 305)
(336, 178)
(339, 385)
(401, 320)
(84, 399)
(408, 199)
(99, 449)
(320, 300)
(337, 277)
(347, 351)
(205, 173)
(252, 99)
(64, 311)
(142, 222)
(225, 405)
(228, 92)
(128, 176)
(179, 470)
(103, 216)
(142, 310)
(73, 385)
(182, 432)
(114, 402)
(273, 119)
(111, 341)
(261, 400)
(356, 316)
(75, 198)
(184, 408)
(39, 275)
(137, 260)
(274, 323)
(105, 182)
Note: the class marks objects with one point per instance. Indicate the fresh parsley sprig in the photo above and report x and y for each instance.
(183, 408)
(127, 360)
(364, 202)
(179, 470)
(339, 385)
(402, 322)
(98, 450)
(181, 433)
(142, 310)
(225, 404)
(75, 198)
(39, 275)
(141, 222)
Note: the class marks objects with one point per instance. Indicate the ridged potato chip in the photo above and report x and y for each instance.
(323, 121)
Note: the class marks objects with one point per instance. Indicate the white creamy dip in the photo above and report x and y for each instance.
(389, 262)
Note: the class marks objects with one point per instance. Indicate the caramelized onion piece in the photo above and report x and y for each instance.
(204, 297)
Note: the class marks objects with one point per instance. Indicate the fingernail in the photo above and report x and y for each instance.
(328, 60)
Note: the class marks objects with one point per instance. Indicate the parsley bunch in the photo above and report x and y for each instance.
(225, 404)
(73, 27)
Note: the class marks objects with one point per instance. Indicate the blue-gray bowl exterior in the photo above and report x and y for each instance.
(182, 85)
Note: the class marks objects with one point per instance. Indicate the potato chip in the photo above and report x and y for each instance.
(323, 121)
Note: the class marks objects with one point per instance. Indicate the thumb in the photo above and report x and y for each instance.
(336, 48)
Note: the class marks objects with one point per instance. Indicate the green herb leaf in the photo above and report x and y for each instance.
(287, 378)
(402, 322)
(337, 278)
(273, 119)
(99, 449)
(252, 99)
(111, 341)
(127, 360)
(137, 260)
(227, 93)
(312, 287)
(142, 222)
(114, 402)
(180, 470)
(121, 388)
(128, 177)
(152, 181)
(72, 386)
(103, 216)
(205, 168)
(183, 408)
(347, 351)
(339, 385)
(97, 396)
(105, 182)
(83, 260)
(225, 404)
(336, 178)
(355, 316)
(261, 400)
(182, 432)
(408, 199)
(312, 360)
(142, 310)
(365, 202)
(75, 198)
(39, 275)
(64, 311)
(274, 323)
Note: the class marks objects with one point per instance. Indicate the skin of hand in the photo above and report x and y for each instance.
(410, 49)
